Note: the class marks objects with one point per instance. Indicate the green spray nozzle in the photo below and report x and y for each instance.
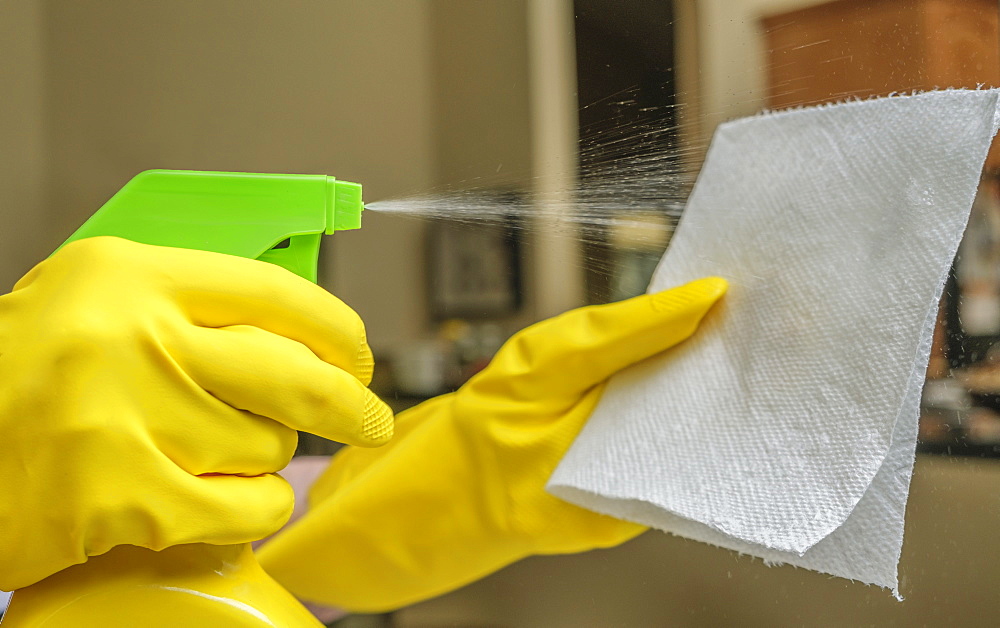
(276, 218)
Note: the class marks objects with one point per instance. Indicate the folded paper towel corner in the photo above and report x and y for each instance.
(786, 427)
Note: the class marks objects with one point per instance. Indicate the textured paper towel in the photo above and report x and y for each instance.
(786, 427)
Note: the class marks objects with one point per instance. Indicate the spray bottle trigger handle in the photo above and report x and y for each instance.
(300, 255)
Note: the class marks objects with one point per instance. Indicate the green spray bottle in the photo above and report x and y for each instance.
(276, 218)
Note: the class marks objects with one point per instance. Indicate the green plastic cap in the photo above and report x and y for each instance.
(343, 201)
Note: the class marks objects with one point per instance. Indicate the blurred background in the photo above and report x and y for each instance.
(515, 102)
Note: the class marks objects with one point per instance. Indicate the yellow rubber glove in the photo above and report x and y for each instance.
(459, 493)
(149, 394)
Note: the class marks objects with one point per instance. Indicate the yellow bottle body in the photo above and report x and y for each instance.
(184, 585)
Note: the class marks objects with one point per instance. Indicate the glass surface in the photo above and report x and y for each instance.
(678, 70)
(418, 100)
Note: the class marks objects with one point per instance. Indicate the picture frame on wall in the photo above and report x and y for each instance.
(474, 269)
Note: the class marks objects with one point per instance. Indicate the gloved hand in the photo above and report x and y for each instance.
(459, 493)
(149, 394)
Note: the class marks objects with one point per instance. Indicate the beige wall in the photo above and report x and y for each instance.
(731, 61)
(22, 137)
(480, 61)
(314, 87)
(505, 119)
(482, 108)
(402, 96)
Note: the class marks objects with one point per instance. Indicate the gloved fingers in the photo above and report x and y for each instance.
(571, 353)
(229, 509)
(270, 375)
(216, 290)
(220, 439)
(237, 291)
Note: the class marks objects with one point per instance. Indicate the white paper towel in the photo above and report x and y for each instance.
(786, 427)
